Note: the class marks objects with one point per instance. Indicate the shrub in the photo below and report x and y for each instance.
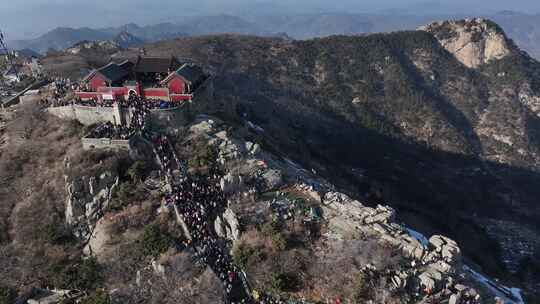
(276, 282)
(203, 157)
(273, 230)
(279, 241)
(84, 275)
(74, 128)
(127, 193)
(7, 295)
(138, 171)
(270, 228)
(99, 297)
(58, 234)
(243, 253)
(155, 241)
(283, 282)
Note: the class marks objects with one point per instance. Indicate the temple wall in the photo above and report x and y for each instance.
(203, 102)
(88, 115)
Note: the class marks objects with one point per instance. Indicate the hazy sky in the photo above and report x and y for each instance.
(27, 18)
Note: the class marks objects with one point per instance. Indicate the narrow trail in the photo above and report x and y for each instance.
(197, 200)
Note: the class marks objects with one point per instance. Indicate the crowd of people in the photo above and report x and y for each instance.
(139, 112)
(61, 86)
(109, 130)
(198, 199)
(149, 104)
(160, 104)
(138, 118)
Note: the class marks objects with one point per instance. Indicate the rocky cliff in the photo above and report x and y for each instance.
(473, 41)
(87, 198)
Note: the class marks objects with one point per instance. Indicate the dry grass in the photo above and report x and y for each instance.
(32, 198)
(318, 269)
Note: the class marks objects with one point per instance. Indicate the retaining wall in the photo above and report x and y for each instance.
(105, 143)
(88, 115)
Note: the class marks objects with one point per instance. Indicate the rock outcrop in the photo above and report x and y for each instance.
(98, 239)
(433, 269)
(231, 183)
(55, 296)
(106, 45)
(230, 149)
(473, 41)
(86, 199)
(529, 99)
(434, 266)
(227, 225)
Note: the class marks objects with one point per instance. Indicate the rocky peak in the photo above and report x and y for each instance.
(125, 40)
(473, 41)
(105, 45)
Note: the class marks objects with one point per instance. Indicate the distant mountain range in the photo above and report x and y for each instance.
(524, 29)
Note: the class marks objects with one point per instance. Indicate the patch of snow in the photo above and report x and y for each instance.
(508, 295)
(295, 165)
(255, 127)
(417, 235)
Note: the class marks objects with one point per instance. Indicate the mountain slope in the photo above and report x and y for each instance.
(455, 149)
(398, 118)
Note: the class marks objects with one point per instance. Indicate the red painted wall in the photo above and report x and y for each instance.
(180, 97)
(156, 92)
(176, 86)
(87, 95)
(116, 91)
(96, 82)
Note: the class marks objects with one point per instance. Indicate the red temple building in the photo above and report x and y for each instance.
(149, 77)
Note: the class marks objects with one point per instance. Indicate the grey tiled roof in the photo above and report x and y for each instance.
(156, 64)
(114, 72)
(191, 73)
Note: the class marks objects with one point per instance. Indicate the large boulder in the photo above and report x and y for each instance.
(272, 179)
(227, 225)
(233, 228)
(252, 149)
(381, 214)
(203, 126)
(219, 227)
(231, 183)
(447, 248)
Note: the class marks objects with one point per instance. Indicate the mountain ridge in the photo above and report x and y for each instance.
(523, 28)
(428, 132)
(399, 118)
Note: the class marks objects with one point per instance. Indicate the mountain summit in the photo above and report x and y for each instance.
(125, 40)
(473, 41)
